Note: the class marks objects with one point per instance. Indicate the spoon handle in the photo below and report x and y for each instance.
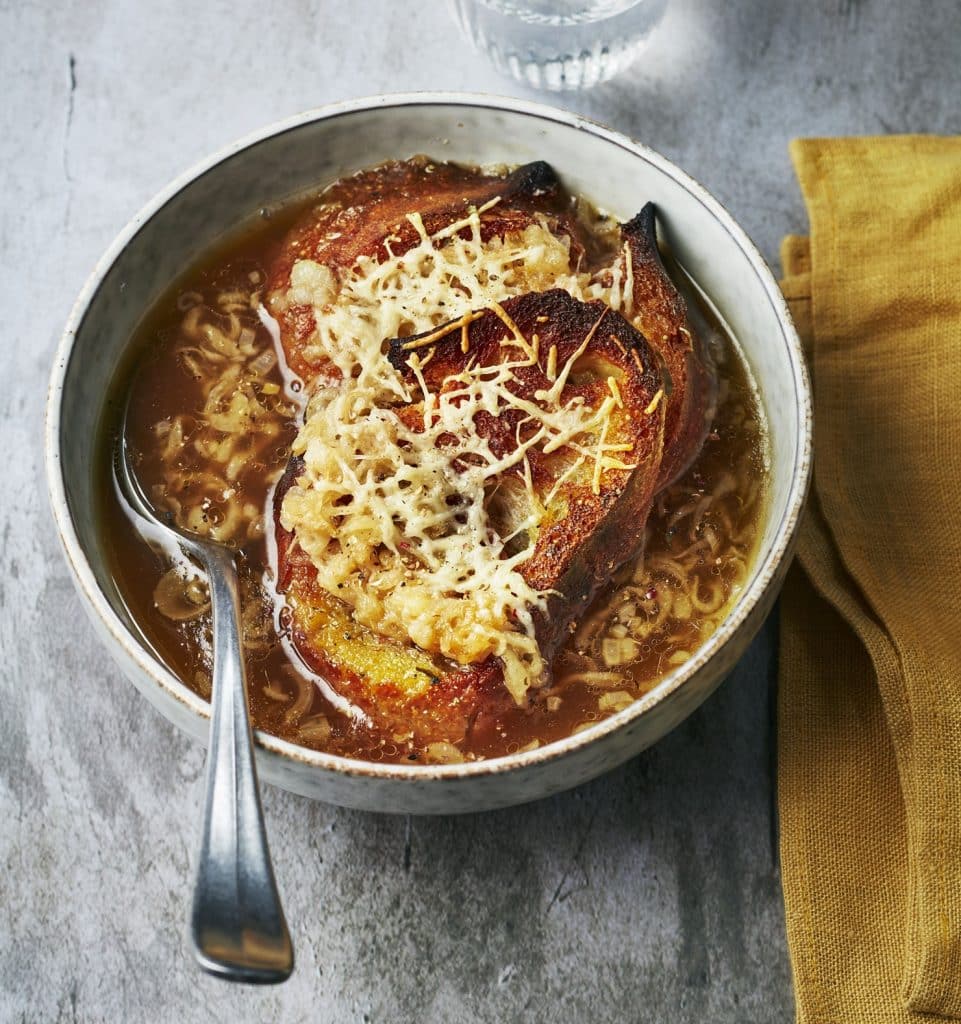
(237, 923)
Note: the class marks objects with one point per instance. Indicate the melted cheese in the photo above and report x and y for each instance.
(394, 512)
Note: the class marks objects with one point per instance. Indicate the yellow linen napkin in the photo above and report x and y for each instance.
(870, 677)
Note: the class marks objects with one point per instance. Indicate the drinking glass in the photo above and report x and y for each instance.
(559, 44)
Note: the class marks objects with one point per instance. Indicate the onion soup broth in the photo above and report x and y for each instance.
(213, 414)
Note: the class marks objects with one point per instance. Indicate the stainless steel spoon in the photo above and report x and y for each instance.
(237, 923)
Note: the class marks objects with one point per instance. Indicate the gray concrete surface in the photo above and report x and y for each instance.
(649, 895)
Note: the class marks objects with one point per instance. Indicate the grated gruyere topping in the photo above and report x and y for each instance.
(396, 517)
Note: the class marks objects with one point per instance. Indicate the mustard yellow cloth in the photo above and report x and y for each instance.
(870, 677)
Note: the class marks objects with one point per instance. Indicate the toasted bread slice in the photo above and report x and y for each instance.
(590, 508)
(660, 313)
(592, 521)
(402, 689)
(366, 216)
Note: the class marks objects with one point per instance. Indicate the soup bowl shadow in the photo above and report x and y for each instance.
(300, 155)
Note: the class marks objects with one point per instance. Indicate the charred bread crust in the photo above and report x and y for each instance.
(661, 314)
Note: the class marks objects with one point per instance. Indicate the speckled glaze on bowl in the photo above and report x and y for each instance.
(309, 151)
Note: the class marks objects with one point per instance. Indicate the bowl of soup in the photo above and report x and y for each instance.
(504, 415)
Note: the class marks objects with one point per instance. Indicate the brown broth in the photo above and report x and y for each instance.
(700, 538)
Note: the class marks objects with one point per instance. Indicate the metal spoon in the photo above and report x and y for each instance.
(237, 924)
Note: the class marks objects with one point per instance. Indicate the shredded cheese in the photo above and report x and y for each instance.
(655, 401)
(395, 511)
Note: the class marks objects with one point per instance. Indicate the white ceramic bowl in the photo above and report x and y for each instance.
(312, 150)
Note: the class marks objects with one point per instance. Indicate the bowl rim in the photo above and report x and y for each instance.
(765, 571)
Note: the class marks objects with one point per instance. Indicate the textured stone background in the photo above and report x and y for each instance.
(651, 894)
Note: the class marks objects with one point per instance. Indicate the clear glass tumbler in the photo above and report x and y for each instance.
(559, 44)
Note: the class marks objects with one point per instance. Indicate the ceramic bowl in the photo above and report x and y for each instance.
(307, 152)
